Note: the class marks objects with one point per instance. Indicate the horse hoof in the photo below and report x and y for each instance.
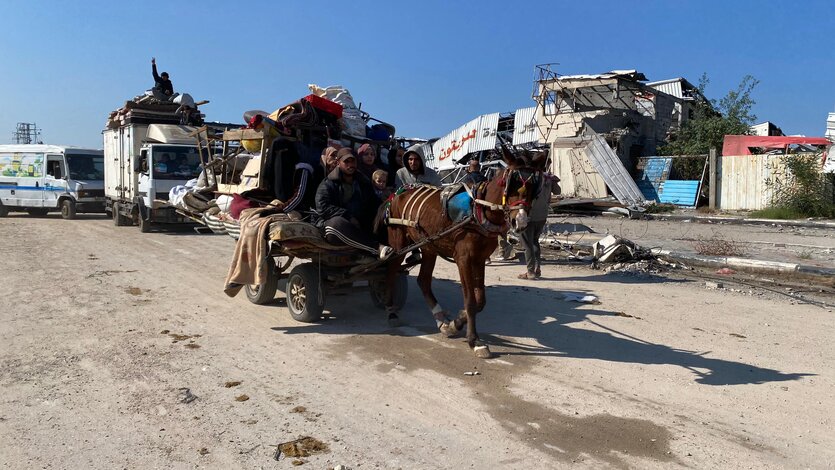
(482, 351)
(449, 329)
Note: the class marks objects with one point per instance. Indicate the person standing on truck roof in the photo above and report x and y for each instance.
(163, 89)
(346, 205)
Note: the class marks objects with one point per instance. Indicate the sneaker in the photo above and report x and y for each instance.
(413, 258)
(385, 251)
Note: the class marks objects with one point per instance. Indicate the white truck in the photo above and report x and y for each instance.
(40, 178)
(142, 163)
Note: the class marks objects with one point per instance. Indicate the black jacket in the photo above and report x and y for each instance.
(164, 84)
(362, 206)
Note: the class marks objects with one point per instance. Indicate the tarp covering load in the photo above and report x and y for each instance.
(478, 134)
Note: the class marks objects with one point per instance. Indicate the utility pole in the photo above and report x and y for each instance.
(27, 133)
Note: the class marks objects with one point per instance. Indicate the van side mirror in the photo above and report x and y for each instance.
(141, 164)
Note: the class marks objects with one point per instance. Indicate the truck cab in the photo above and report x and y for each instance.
(144, 162)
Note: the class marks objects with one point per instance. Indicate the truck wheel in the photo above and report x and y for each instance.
(303, 294)
(119, 220)
(145, 226)
(37, 212)
(4, 211)
(68, 209)
(261, 294)
(401, 291)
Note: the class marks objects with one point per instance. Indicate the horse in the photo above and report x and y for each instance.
(415, 217)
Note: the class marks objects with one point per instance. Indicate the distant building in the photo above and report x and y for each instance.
(830, 127)
(765, 129)
(634, 118)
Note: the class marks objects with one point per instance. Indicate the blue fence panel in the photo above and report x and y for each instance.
(679, 192)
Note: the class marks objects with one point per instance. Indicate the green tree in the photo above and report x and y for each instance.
(733, 114)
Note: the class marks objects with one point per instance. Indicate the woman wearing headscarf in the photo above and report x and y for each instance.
(367, 164)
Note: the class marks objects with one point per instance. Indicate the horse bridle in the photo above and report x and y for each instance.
(480, 191)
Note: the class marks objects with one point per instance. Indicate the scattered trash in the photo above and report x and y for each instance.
(298, 409)
(178, 337)
(737, 335)
(203, 451)
(242, 398)
(134, 291)
(725, 271)
(714, 285)
(231, 384)
(164, 332)
(192, 346)
(302, 447)
(626, 315)
(341, 467)
(472, 372)
(186, 396)
(580, 297)
(613, 248)
(297, 462)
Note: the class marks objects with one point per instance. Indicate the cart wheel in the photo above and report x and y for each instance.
(303, 294)
(68, 209)
(401, 291)
(261, 294)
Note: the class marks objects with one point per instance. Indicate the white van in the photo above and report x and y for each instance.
(40, 178)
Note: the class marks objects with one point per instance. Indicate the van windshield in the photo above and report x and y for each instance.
(85, 167)
(176, 163)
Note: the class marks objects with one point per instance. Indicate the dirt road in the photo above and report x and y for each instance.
(104, 328)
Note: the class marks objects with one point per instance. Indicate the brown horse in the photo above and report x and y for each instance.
(415, 216)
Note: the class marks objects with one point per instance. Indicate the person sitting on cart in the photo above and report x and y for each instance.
(474, 175)
(367, 164)
(381, 187)
(346, 205)
(415, 171)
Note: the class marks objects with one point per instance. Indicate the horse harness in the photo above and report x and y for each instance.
(413, 209)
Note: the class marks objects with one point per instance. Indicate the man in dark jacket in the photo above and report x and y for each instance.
(163, 89)
(346, 205)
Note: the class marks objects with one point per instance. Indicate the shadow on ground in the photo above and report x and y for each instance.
(539, 313)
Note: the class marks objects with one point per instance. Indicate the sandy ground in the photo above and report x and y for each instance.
(661, 374)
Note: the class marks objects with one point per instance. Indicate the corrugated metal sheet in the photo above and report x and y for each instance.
(525, 129)
(670, 88)
(653, 172)
(613, 172)
(679, 192)
(742, 181)
(478, 134)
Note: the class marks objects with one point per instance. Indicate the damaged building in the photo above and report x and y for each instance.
(598, 126)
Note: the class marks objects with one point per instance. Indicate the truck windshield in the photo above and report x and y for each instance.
(176, 162)
(85, 167)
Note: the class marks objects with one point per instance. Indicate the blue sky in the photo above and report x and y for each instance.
(426, 67)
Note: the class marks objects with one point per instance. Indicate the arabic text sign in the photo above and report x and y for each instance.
(478, 134)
